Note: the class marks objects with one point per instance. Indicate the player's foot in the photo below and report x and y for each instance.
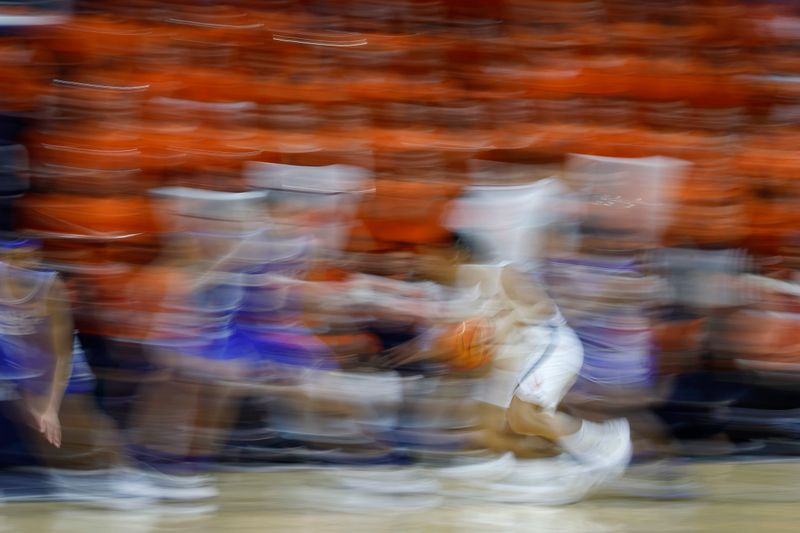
(164, 487)
(550, 481)
(96, 488)
(606, 448)
(158, 477)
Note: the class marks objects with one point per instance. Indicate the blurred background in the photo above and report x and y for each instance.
(257, 209)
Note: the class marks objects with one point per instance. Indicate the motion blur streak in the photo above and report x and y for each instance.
(437, 263)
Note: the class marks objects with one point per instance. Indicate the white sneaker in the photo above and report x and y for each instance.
(605, 447)
(135, 483)
(597, 454)
(158, 477)
(550, 481)
(556, 492)
(614, 449)
(95, 488)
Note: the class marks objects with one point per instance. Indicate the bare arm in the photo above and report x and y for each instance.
(62, 338)
(45, 408)
(363, 294)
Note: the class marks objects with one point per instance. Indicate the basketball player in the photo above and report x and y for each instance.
(41, 352)
(188, 313)
(537, 359)
(36, 336)
(217, 318)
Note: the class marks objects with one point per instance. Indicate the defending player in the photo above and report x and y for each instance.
(36, 336)
(42, 356)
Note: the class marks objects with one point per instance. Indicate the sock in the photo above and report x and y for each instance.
(606, 446)
(583, 443)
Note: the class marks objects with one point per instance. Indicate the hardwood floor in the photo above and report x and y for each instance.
(738, 497)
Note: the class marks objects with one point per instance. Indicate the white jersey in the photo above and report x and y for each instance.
(537, 358)
(25, 327)
(538, 363)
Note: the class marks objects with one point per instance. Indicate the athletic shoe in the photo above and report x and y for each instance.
(97, 488)
(605, 449)
(553, 481)
(600, 443)
(168, 486)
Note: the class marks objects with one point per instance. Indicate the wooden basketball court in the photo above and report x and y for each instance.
(757, 496)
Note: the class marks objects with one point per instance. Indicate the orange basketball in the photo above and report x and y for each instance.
(467, 345)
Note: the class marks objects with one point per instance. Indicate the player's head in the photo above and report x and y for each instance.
(441, 263)
(19, 251)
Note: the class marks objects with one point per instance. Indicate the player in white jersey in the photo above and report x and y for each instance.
(537, 360)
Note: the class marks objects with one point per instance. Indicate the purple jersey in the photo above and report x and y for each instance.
(25, 327)
(26, 340)
(266, 301)
(271, 312)
(605, 301)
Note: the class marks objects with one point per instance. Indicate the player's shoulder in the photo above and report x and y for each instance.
(39, 282)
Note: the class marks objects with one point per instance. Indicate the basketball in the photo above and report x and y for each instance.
(467, 345)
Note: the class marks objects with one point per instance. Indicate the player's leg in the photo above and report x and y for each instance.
(535, 411)
(530, 419)
(92, 464)
(166, 430)
(497, 436)
(215, 416)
